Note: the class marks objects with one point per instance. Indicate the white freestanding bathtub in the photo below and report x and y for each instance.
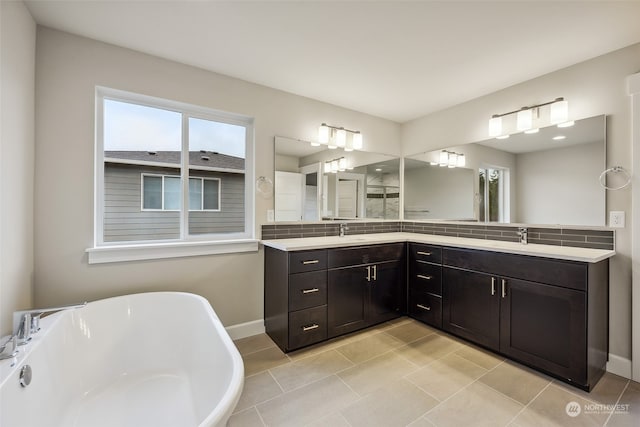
(153, 359)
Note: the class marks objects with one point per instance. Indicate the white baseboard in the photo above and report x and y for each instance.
(619, 366)
(243, 330)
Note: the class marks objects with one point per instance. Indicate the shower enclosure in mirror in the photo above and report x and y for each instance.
(315, 183)
(550, 177)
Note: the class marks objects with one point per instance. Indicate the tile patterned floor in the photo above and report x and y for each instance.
(403, 373)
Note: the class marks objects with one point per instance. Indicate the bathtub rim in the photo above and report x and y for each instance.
(224, 407)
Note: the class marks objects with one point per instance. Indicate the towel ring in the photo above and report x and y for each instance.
(264, 187)
(615, 169)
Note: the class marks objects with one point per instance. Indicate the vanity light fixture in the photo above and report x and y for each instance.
(335, 137)
(336, 165)
(450, 159)
(558, 114)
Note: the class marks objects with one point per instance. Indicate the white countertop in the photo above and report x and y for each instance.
(545, 251)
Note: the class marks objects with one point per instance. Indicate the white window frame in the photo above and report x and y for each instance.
(163, 209)
(187, 245)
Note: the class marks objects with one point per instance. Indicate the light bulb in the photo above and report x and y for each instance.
(524, 120)
(323, 134)
(559, 112)
(495, 126)
(357, 141)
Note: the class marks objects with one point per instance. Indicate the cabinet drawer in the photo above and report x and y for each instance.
(302, 261)
(343, 257)
(307, 327)
(307, 290)
(568, 274)
(426, 308)
(428, 253)
(425, 277)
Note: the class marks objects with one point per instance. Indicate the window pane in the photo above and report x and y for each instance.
(494, 194)
(482, 194)
(195, 194)
(152, 189)
(211, 194)
(217, 150)
(139, 140)
(172, 193)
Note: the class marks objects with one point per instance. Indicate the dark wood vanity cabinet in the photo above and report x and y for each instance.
(546, 313)
(425, 283)
(295, 303)
(365, 286)
(314, 295)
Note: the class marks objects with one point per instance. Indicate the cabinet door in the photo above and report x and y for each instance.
(386, 288)
(544, 326)
(347, 300)
(471, 306)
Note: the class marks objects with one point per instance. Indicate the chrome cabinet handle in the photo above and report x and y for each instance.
(375, 272)
(424, 253)
(420, 276)
(424, 307)
(493, 286)
(368, 273)
(310, 327)
(504, 288)
(312, 261)
(310, 291)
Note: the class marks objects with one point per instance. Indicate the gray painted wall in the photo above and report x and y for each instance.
(17, 121)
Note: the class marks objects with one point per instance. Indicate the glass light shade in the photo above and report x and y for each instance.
(323, 134)
(334, 166)
(444, 158)
(462, 161)
(453, 160)
(357, 141)
(341, 137)
(327, 167)
(348, 145)
(524, 120)
(342, 164)
(559, 112)
(495, 126)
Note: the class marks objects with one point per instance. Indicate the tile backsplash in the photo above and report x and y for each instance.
(583, 238)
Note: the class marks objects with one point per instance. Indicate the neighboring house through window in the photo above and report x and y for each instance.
(167, 171)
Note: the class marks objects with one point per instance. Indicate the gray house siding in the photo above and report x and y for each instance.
(124, 219)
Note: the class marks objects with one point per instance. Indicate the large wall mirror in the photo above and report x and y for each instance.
(317, 183)
(550, 177)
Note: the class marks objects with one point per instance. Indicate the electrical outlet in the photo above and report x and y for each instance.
(616, 219)
(270, 215)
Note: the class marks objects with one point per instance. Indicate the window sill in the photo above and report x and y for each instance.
(141, 252)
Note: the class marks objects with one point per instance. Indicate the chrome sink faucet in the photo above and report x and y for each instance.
(343, 229)
(523, 233)
(27, 322)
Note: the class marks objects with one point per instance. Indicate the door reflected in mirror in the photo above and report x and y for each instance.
(310, 185)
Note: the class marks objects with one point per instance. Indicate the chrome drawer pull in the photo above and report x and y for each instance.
(313, 261)
(420, 276)
(424, 253)
(424, 307)
(310, 327)
(310, 291)
(493, 286)
(504, 288)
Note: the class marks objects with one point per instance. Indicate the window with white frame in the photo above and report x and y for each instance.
(168, 171)
(162, 193)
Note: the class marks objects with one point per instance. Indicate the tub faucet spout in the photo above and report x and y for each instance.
(8, 347)
(27, 322)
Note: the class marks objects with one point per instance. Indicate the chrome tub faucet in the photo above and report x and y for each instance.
(27, 322)
(343, 228)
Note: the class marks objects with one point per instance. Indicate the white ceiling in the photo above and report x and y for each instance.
(393, 59)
